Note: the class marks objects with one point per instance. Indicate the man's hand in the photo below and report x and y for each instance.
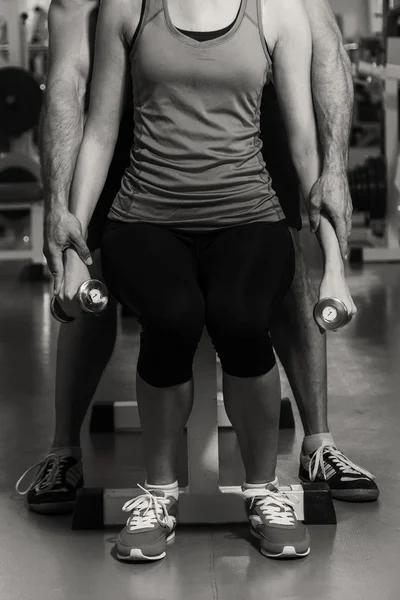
(330, 195)
(62, 230)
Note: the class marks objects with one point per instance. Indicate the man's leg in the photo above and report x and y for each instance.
(83, 350)
(301, 348)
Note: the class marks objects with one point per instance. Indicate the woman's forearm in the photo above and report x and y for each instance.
(308, 166)
(107, 94)
(90, 175)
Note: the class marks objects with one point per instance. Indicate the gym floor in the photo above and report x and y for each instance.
(41, 557)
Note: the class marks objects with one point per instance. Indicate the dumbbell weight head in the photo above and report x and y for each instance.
(93, 296)
(331, 314)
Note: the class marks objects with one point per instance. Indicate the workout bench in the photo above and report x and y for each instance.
(203, 501)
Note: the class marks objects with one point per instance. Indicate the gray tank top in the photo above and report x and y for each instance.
(196, 162)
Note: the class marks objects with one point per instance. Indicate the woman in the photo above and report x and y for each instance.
(196, 235)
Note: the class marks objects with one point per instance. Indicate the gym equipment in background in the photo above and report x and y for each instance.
(21, 192)
(204, 500)
(21, 203)
(374, 192)
(368, 188)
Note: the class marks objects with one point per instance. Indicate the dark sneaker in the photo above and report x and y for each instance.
(54, 488)
(274, 522)
(150, 526)
(346, 480)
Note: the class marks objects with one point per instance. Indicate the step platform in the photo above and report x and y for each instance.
(117, 416)
(204, 500)
(98, 508)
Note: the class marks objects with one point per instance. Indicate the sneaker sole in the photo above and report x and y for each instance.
(351, 495)
(59, 508)
(355, 495)
(286, 552)
(135, 554)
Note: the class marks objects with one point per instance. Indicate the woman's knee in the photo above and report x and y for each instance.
(252, 356)
(169, 340)
(241, 339)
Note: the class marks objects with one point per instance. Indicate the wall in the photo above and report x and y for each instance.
(355, 16)
(355, 13)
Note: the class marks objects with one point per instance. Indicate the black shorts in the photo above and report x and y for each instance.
(189, 280)
(275, 152)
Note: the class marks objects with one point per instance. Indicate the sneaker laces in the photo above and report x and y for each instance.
(49, 474)
(271, 503)
(148, 510)
(344, 464)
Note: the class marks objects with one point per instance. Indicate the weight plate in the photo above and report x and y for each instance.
(20, 101)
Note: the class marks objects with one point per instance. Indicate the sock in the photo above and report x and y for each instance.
(171, 489)
(74, 451)
(260, 486)
(311, 443)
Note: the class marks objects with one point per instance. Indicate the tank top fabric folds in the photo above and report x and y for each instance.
(196, 162)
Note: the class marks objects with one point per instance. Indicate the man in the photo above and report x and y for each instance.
(85, 346)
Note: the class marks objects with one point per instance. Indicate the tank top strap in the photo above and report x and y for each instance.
(253, 11)
(153, 7)
(254, 14)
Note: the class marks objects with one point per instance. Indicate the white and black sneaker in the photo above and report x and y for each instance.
(150, 527)
(274, 522)
(54, 487)
(346, 480)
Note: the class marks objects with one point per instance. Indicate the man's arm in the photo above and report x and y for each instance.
(333, 95)
(63, 112)
(332, 84)
(71, 43)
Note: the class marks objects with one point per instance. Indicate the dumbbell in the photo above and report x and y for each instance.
(92, 298)
(331, 314)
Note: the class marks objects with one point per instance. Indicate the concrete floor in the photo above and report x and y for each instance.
(41, 558)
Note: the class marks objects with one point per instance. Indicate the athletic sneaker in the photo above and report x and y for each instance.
(150, 526)
(346, 480)
(55, 485)
(274, 522)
